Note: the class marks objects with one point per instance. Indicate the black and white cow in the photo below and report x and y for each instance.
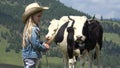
(64, 32)
(72, 32)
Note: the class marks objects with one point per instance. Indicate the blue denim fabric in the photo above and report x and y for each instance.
(34, 45)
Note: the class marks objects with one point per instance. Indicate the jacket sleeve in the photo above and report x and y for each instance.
(35, 40)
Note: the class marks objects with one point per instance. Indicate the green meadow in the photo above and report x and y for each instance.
(112, 37)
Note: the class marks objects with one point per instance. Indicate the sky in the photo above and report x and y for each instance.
(105, 8)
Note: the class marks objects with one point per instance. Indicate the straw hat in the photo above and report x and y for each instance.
(31, 9)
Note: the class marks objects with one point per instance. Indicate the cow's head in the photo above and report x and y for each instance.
(78, 27)
(52, 28)
(90, 27)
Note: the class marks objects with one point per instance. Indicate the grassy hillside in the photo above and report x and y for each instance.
(112, 37)
(111, 22)
(5, 58)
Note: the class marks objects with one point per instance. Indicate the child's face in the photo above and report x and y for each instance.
(37, 17)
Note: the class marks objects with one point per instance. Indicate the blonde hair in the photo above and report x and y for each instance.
(27, 31)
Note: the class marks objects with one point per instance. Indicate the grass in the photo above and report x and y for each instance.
(15, 59)
(7, 57)
(9, 66)
(112, 37)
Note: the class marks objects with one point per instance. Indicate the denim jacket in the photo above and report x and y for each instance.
(34, 45)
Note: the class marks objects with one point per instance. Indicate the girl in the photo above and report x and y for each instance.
(31, 44)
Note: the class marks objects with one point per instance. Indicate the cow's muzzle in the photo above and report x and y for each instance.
(80, 38)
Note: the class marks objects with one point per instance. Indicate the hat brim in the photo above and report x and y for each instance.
(31, 11)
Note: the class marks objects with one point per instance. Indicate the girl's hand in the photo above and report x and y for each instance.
(46, 45)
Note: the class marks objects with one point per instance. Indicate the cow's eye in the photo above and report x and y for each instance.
(55, 30)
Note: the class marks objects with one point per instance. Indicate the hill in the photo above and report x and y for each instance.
(11, 28)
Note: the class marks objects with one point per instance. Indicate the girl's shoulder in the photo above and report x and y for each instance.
(36, 28)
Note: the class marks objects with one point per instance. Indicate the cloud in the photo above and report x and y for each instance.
(105, 8)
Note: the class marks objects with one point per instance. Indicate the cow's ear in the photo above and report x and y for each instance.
(87, 22)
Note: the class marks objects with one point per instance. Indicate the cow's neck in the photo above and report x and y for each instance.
(60, 33)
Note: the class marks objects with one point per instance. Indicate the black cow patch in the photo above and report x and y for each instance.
(70, 41)
(60, 34)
